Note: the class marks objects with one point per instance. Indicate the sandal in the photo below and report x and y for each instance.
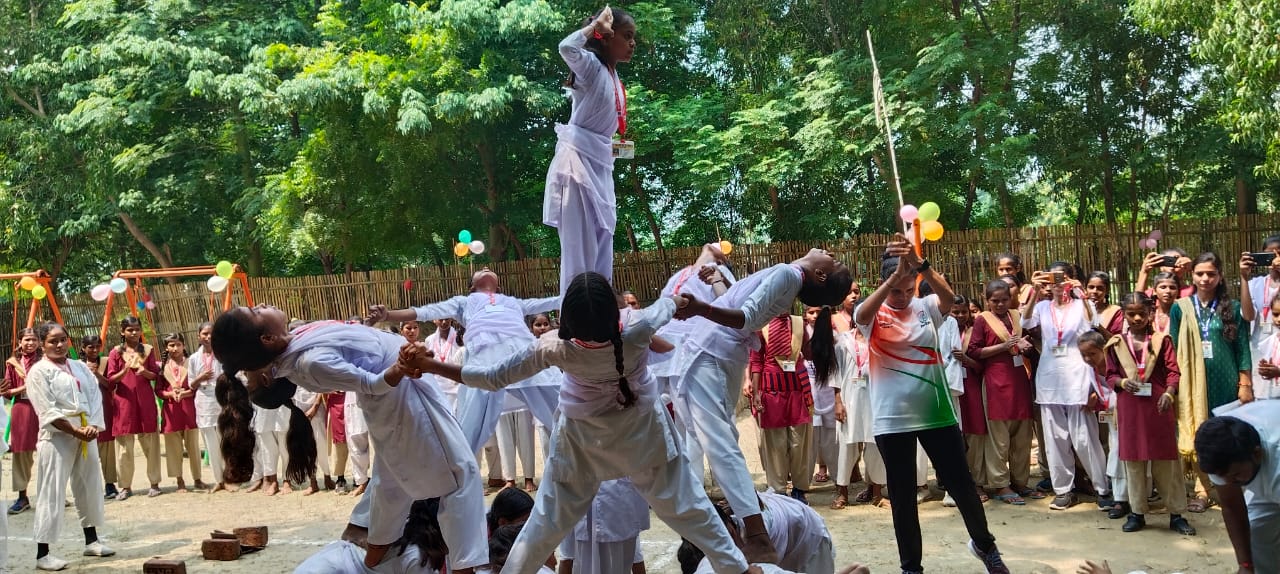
(1031, 493)
(1198, 504)
(863, 497)
(983, 497)
(840, 502)
(821, 477)
(1011, 498)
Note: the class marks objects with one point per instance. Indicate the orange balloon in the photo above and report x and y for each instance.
(726, 247)
(461, 249)
(932, 230)
(27, 283)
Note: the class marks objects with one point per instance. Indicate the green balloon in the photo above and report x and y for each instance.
(224, 269)
(930, 211)
(464, 236)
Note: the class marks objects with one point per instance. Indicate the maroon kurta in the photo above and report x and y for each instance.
(786, 396)
(24, 425)
(973, 413)
(1112, 320)
(176, 416)
(108, 399)
(1146, 434)
(1007, 386)
(135, 396)
(335, 404)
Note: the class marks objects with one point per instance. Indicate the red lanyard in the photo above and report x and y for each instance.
(1057, 321)
(620, 104)
(436, 348)
(684, 276)
(1266, 298)
(1139, 354)
(493, 299)
(858, 358)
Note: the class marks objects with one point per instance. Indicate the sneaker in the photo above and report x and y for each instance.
(153, 492)
(991, 559)
(19, 506)
(1180, 525)
(1105, 502)
(1120, 510)
(947, 501)
(111, 492)
(98, 549)
(124, 494)
(51, 562)
(1063, 501)
(1135, 523)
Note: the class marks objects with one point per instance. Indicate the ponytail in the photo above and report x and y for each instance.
(628, 397)
(299, 441)
(235, 428)
(823, 346)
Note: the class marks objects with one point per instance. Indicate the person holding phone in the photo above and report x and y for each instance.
(1172, 260)
(1255, 307)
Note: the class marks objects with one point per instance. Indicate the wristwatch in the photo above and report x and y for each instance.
(924, 266)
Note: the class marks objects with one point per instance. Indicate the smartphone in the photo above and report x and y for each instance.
(1169, 261)
(1263, 259)
(1059, 277)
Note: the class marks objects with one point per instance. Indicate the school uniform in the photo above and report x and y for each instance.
(1262, 494)
(305, 400)
(579, 198)
(106, 438)
(68, 392)
(357, 439)
(714, 361)
(342, 557)
(856, 439)
(1147, 437)
(798, 533)
(335, 411)
(207, 409)
(178, 421)
(412, 420)
(270, 426)
(515, 439)
(1262, 290)
(495, 330)
(23, 423)
(136, 415)
(1007, 401)
(607, 537)
(597, 440)
(786, 399)
(826, 444)
(1063, 384)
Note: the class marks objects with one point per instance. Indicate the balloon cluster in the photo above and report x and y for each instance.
(222, 276)
(926, 216)
(466, 245)
(101, 291)
(37, 290)
(1152, 240)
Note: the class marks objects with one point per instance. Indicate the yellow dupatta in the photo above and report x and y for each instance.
(1193, 403)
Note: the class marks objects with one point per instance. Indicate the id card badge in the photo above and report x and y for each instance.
(1144, 390)
(1059, 350)
(860, 382)
(1268, 328)
(1104, 417)
(624, 149)
(787, 366)
(493, 309)
(1017, 360)
(1206, 348)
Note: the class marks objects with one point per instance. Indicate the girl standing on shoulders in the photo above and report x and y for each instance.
(1212, 341)
(579, 200)
(23, 422)
(202, 371)
(65, 397)
(179, 413)
(131, 367)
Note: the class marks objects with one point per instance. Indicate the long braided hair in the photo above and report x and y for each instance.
(589, 312)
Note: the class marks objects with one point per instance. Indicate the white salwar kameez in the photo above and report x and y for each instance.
(357, 429)
(270, 426)
(495, 330)
(343, 557)
(607, 539)
(854, 434)
(207, 408)
(305, 399)
(431, 457)
(61, 458)
(716, 358)
(597, 440)
(579, 199)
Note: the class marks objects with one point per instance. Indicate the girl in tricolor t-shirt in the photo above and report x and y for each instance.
(910, 401)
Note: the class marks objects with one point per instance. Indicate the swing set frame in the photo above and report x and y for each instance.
(42, 279)
(137, 290)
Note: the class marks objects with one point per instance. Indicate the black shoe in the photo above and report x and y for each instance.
(1180, 525)
(19, 506)
(798, 494)
(1120, 510)
(111, 492)
(1045, 485)
(1135, 523)
(1106, 503)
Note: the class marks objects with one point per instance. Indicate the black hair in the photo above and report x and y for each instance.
(299, 441)
(1271, 240)
(237, 342)
(1223, 441)
(1021, 275)
(1226, 309)
(689, 556)
(590, 313)
(828, 295)
(126, 322)
(510, 504)
(235, 427)
(596, 45)
(202, 326)
(997, 285)
(42, 331)
(22, 333)
(1166, 276)
(960, 300)
(169, 338)
(1106, 283)
(500, 544)
(1138, 298)
(1014, 279)
(1068, 269)
(423, 530)
(1093, 338)
(87, 340)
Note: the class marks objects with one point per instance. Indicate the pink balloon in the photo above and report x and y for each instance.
(908, 213)
(1156, 235)
(151, 304)
(101, 292)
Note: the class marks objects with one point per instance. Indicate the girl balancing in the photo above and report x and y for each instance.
(579, 199)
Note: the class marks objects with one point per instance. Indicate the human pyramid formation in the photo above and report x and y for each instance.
(633, 399)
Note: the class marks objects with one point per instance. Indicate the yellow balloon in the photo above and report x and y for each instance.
(38, 292)
(461, 249)
(932, 230)
(27, 283)
(726, 247)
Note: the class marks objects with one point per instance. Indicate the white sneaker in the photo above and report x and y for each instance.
(51, 562)
(948, 501)
(98, 549)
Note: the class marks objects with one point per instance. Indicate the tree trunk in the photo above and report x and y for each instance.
(1108, 178)
(497, 239)
(144, 240)
(643, 196)
(775, 205)
(249, 181)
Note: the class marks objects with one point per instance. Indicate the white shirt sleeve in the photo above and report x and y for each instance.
(513, 369)
(1032, 320)
(756, 308)
(646, 322)
(92, 394)
(451, 308)
(40, 391)
(573, 49)
(333, 373)
(535, 306)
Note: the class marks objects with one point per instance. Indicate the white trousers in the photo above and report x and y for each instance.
(492, 460)
(515, 439)
(1068, 430)
(601, 557)
(826, 447)
(272, 455)
(584, 245)
(59, 460)
(321, 434)
(213, 446)
(544, 435)
(711, 388)
(849, 455)
(671, 492)
(1115, 468)
(358, 449)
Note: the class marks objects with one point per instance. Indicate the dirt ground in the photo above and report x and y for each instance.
(1033, 538)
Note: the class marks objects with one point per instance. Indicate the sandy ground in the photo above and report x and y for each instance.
(1033, 538)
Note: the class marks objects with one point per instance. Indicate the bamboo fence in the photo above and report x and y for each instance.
(966, 257)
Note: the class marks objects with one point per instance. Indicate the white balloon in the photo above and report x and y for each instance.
(477, 247)
(119, 285)
(101, 292)
(217, 284)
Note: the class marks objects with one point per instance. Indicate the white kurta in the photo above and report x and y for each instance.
(579, 199)
(445, 349)
(71, 395)
(1062, 377)
(596, 440)
(495, 330)
(606, 539)
(1262, 290)
(305, 399)
(207, 407)
(431, 458)
(343, 557)
(799, 535)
